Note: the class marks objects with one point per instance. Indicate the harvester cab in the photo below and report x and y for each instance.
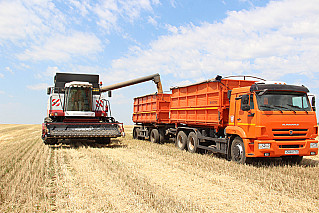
(76, 108)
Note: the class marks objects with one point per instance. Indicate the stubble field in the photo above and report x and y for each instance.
(138, 176)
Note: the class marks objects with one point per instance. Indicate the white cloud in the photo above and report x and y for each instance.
(2, 92)
(40, 86)
(269, 41)
(62, 48)
(152, 21)
(28, 19)
(8, 69)
(1, 75)
(110, 11)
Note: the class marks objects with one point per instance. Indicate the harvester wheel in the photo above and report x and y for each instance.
(292, 159)
(238, 153)
(103, 140)
(181, 140)
(192, 142)
(155, 136)
(50, 141)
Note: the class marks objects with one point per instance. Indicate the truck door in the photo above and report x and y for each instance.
(244, 117)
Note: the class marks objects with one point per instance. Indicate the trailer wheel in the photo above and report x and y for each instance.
(135, 133)
(238, 153)
(292, 159)
(161, 135)
(192, 142)
(155, 136)
(181, 140)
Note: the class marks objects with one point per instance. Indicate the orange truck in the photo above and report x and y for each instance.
(242, 119)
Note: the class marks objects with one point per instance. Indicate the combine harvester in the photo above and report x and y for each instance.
(76, 109)
(242, 119)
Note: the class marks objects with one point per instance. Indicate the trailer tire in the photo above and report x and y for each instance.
(292, 159)
(238, 153)
(181, 140)
(135, 133)
(155, 136)
(192, 142)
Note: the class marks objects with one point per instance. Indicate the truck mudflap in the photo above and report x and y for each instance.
(81, 130)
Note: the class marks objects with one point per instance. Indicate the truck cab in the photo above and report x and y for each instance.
(271, 120)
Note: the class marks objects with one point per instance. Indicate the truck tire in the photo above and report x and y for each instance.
(161, 135)
(238, 153)
(192, 142)
(135, 133)
(181, 140)
(292, 159)
(155, 136)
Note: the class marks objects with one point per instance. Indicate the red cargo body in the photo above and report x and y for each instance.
(203, 104)
(152, 108)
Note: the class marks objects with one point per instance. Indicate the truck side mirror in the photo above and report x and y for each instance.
(109, 93)
(245, 103)
(313, 103)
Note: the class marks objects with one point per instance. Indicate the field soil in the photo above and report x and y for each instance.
(137, 176)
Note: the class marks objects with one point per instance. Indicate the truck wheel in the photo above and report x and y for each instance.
(135, 133)
(155, 137)
(161, 135)
(292, 159)
(238, 153)
(192, 142)
(181, 140)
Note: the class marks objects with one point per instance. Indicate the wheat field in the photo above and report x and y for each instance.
(138, 176)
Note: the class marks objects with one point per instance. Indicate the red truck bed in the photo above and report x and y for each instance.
(203, 104)
(152, 108)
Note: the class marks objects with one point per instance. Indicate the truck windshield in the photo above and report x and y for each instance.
(79, 99)
(283, 101)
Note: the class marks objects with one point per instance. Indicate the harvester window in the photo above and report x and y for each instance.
(79, 99)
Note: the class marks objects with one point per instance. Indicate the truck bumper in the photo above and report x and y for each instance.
(281, 148)
(62, 130)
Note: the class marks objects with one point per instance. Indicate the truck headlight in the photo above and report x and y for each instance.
(264, 146)
(313, 145)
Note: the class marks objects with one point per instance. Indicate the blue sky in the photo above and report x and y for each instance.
(186, 41)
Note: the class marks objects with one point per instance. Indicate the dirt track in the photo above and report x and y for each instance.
(137, 176)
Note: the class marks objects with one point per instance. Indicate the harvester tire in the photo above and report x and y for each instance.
(238, 153)
(292, 159)
(50, 141)
(155, 136)
(103, 140)
(192, 142)
(181, 140)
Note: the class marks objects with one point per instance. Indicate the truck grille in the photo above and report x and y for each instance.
(289, 132)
